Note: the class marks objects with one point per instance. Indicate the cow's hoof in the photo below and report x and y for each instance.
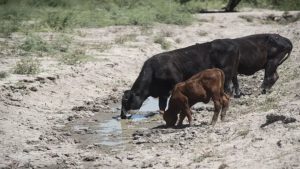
(237, 95)
(127, 116)
(264, 91)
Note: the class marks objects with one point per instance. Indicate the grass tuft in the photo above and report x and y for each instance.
(163, 42)
(27, 66)
(74, 57)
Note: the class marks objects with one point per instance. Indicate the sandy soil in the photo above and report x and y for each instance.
(38, 113)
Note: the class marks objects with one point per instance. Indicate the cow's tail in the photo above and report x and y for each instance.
(285, 58)
(289, 47)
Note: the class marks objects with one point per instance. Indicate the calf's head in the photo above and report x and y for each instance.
(170, 118)
(130, 101)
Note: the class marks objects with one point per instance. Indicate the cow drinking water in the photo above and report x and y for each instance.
(163, 71)
(202, 87)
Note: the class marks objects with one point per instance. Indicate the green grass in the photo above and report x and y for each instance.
(3, 74)
(64, 15)
(34, 43)
(163, 42)
(125, 38)
(28, 65)
(75, 57)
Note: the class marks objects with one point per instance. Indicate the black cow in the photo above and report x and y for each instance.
(161, 72)
(262, 51)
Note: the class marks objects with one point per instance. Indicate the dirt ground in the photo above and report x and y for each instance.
(40, 114)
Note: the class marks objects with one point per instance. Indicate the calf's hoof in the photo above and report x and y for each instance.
(264, 91)
(213, 123)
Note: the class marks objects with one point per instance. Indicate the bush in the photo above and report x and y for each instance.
(163, 42)
(59, 20)
(27, 66)
(35, 43)
(73, 58)
(3, 74)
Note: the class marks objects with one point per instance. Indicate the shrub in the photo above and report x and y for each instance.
(35, 43)
(59, 20)
(73, 58)
(27, 66)
(3, 74)
(163, 42)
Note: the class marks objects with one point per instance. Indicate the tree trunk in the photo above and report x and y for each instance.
(231, 5)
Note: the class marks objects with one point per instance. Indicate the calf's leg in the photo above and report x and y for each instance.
(218, 106)
(181, 118)
(225, 105)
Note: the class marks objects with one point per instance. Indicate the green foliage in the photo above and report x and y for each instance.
(34, 43)
(74, 57)
(59, 15)
(163, 42)
(27, 66)
(3, 74)
(286, 5)
(59, 20)
(125, 38)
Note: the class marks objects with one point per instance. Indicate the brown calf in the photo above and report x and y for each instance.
(206, 85)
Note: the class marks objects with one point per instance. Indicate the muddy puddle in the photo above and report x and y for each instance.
(109, 131)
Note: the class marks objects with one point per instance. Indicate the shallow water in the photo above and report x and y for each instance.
(109, 130)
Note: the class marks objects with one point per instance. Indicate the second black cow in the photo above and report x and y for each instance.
(162, 72)
(262, 51)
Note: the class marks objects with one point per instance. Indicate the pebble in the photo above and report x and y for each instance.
(34, 89)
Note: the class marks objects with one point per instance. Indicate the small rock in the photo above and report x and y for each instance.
(89, 158)
(34, 89)
(51, 78)
(26, 150)
(222, 166)
(130, 158)
(70, 118)
(279, 143)
(54, 155)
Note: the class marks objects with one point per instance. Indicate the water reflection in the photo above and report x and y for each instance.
(114, 131)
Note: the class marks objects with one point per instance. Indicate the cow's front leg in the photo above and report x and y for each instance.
(228, 81)
(236, 87)
(162, 103)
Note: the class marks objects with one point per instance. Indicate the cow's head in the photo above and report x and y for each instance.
(130, 101)
(170, 118)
